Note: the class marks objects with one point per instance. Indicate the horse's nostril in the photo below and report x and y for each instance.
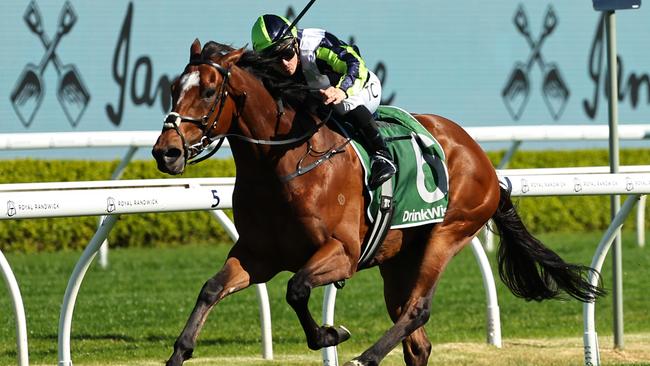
(173, 153)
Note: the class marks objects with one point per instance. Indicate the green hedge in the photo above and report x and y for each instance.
(164, 229)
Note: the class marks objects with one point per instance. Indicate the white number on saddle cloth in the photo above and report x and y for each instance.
(434, 162)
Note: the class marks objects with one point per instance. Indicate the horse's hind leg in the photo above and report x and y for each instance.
(329, 264)
(398, 274)
(409, 283)
(236, 274)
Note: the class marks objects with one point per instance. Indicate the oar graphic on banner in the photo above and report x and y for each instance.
(28, 93)
(71, 91)
(517, 89)
(554, 89)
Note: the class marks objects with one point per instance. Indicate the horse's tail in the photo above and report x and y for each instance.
(531, 270)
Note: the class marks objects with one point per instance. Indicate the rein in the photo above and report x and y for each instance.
(173, 120)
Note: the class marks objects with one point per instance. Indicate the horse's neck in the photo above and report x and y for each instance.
(261, 159)
(266, 163)
(259, 120)
(259, 115)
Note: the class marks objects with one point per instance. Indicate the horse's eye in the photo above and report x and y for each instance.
(208, 93)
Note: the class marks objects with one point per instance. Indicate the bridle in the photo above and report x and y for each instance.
(173, 120)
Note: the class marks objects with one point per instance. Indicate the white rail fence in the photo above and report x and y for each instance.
(640, 217)
(515, 135)
(113, 198)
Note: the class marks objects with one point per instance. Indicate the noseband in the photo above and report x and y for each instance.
(173, 120)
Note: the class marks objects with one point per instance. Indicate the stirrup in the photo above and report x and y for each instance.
(381, 170)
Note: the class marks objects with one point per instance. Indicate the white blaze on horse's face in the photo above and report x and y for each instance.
(188, 81)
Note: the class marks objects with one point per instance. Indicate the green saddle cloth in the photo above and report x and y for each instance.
(420, 188)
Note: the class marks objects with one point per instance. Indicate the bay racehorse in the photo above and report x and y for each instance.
(314, 224)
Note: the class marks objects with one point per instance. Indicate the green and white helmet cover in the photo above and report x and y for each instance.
(267, 29)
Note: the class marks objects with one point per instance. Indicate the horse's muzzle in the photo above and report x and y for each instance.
(169, 160)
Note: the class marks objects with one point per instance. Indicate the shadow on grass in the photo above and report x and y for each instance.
(232, 340)
(85, 336)
(163, 338)
(37, 354)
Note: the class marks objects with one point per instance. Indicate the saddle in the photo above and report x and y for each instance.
(418, 193)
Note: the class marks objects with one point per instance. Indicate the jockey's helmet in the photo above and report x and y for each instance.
(269, 32)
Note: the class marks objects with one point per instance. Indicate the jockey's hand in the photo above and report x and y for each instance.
(332, 95)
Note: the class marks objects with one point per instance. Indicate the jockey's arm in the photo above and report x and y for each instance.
(344, 60)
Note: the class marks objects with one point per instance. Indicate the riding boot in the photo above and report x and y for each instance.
(382, 167)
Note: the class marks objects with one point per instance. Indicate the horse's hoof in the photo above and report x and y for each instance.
(343, 333)
(337, 335)
(174, 362)
(354, 363)
(329, 336)
(177, 359)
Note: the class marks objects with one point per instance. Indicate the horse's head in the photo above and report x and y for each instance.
(202, 106)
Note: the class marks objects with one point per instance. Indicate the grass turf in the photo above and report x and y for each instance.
(132, 312)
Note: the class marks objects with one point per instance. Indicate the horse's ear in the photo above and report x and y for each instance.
(232, 58)
(195, 49)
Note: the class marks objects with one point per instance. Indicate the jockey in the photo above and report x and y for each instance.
(340, 74)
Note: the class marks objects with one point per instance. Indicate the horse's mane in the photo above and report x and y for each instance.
(260, 66)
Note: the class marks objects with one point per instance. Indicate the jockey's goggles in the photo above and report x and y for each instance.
(284, 49)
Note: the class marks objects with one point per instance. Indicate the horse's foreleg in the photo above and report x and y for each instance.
(231, 278)
(417, 348)
(330, 263)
